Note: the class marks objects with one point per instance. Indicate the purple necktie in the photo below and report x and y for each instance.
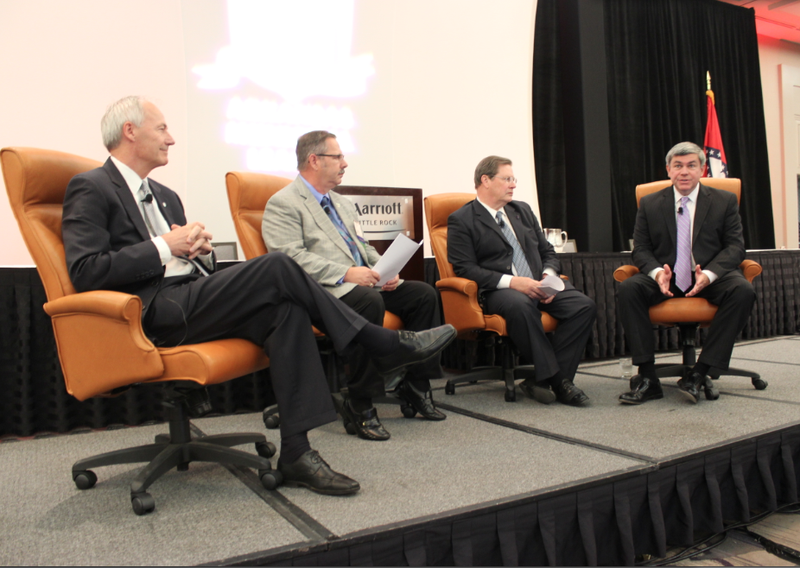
(683, 260)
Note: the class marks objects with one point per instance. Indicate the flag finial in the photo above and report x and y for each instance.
(708, 81)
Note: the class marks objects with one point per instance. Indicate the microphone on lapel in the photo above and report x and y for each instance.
(148, 198)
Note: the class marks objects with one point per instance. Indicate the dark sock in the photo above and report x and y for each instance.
(360, 404)
(378, 340)
(648, 370)
(701, 368)
(293, 447)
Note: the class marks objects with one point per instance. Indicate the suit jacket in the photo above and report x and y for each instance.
(294, 223)
(106, 241)
(717, 241)
(478, 250)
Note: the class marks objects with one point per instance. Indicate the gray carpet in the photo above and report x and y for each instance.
(487, 451)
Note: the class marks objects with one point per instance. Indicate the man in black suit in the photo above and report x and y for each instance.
(482, 238)
(125, 232)
(687, 242)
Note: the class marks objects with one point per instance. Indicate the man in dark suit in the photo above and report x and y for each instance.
(498, 243)
(320, 229)
(687, 242)
(125, 232)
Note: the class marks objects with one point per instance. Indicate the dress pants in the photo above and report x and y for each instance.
(270, 301)
(417, 304)
(562, 352)
(732, 293)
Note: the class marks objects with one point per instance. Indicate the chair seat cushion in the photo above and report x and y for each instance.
(683, 310)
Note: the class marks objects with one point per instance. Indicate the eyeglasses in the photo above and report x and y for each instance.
(339, 157)
(691, 166)
(509, 179)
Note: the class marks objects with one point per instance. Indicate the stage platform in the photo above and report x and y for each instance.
(495, 483)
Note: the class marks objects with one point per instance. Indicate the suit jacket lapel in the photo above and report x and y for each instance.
(127, 199)
(485, 217)
(701, 210)
(668, 208)
(322, 220)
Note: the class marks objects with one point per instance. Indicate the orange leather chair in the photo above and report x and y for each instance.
(689, 314)
(248, 193)
(103, 349)
(461, 307)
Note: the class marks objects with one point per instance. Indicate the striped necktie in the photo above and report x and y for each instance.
(683, 258)
(523, 269)
(351, 244)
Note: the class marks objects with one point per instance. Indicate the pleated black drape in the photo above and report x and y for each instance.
(657, 55)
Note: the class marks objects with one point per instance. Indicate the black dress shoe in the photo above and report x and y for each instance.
(538, 391)
(568, 393)
(311, 471)
(711, 391)
(417, 346)
(420, 401)
(647, 389)
(690, 386)
(366, 424)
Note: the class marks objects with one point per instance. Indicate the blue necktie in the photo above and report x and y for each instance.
(351, 244)
(523, 269)
(683, 257)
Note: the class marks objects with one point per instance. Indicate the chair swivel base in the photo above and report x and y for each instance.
(177, 450)
(509, 376)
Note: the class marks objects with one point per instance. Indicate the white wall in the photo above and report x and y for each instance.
(772, 54)
(460, 90)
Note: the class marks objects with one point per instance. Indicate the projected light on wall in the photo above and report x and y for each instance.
(300, 54)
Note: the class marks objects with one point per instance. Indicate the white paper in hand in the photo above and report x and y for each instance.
(395, 258)
(551, 284)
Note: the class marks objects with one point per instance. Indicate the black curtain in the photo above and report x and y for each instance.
(657, 55)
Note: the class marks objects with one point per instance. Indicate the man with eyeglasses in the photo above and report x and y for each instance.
(320, 230)
(687, 242)
(498, 243)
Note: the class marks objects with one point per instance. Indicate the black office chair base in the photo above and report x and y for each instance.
(177, 450)
(688, 333)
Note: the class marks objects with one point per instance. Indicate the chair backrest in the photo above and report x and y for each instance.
(438, 208)
(734, 185)
(36, 181)
(248, 193)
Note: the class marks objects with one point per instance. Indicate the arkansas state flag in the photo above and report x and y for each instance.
(716, 164)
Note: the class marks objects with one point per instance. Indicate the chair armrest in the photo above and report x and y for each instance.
(460, 304)
(624, 272)
(751, 269)
(101, 343)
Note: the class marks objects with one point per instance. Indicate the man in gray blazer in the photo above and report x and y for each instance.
(706, 267)
(320, 230)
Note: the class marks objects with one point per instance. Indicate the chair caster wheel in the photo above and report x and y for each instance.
(162, 439)
(511, 396)
(449, 388)
(143, 503)
(760, 384)
(266, 449)
(271, 479)
(84, 479)
(408, 411)
(271, 421)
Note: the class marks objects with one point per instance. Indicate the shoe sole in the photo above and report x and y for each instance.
(291, 483)
(638, 402)
(688, 396)
(435, 350)
(539, 394)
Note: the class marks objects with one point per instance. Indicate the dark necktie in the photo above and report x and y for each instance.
(683, 258)
(523, 269)
(351, 244)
